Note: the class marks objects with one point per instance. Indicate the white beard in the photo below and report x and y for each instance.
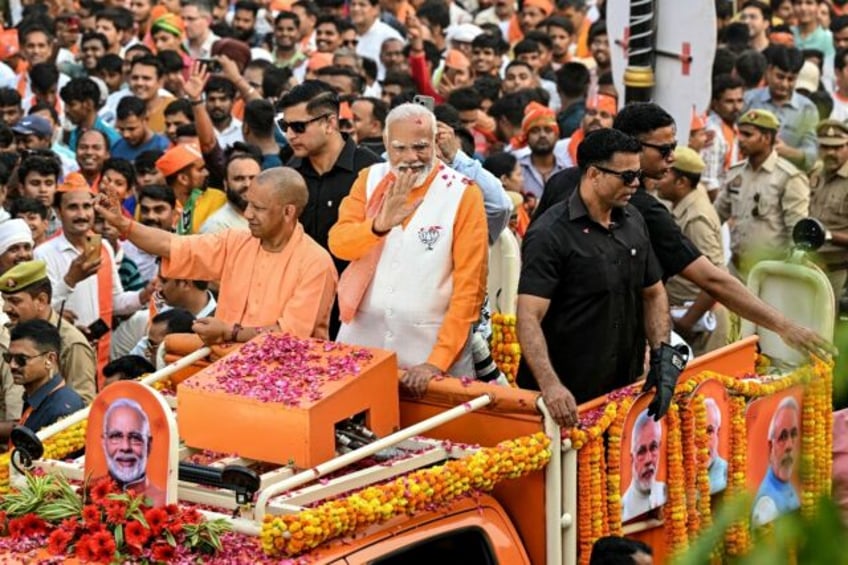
(124, 475)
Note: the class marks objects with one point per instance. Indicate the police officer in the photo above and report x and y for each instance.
(591, 290)
(764, 195)
(829, 198)
(703, 323)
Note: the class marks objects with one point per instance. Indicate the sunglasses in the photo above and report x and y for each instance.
(299, 127)
(627, 177)
(350, 42)
(20, 359)
(664, 150)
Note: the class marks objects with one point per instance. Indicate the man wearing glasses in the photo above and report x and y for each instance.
(33, 356)
(764, 195)
(127, 444)
(591, 290)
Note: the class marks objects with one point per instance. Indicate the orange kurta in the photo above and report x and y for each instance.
(352, 237)
(293, 288)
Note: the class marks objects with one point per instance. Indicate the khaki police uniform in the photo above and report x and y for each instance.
(77, 363)
(698, 220)
(763, 205)
(829, 203)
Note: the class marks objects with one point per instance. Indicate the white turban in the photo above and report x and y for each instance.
(13, 232)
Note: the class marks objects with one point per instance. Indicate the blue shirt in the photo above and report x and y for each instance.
(718, 475)
(123, 150)
(497, 203)
(271, 160)
(99, 125)
(52, 401)
(781, 494)
(798, 118)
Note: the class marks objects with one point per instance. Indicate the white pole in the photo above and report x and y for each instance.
(553, 489)
(167, 371)
(569, 499)
(365, 451)
(240, 525)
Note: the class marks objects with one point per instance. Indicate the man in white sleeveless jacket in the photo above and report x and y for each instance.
(415, 233)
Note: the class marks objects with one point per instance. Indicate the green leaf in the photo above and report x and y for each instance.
(170, 537)
(119, 536)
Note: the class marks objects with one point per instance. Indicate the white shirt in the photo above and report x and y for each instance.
(372, 40)
(58, 253)
(205, 49)
(224, 218)
(108, 113)
(840, 108)
(635, 502)
(146, 263)
(230, 134)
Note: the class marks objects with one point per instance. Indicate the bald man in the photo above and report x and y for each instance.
(273, 277)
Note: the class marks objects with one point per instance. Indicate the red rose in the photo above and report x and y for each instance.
(57, 543)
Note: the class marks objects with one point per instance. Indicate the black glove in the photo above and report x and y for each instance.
(667, 363)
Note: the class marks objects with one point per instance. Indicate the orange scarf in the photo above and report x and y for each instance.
(576, 140)
(104, 298)
(729, 134)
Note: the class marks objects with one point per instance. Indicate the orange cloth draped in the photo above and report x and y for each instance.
(104, 298)
(576, 140)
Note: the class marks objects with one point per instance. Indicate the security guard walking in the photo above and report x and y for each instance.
(763, 196)
(703, 323)
(829, 199)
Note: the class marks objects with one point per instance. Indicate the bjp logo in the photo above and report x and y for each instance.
(429, 235)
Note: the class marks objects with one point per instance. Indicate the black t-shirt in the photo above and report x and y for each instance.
(673, 249)
(594, 277)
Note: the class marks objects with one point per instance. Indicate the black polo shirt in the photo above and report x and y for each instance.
(327, 191)
(594, 277)
(674, 250)
(53, 400)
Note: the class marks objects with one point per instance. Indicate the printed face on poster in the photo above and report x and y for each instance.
(718, 432)
(131, 437)
(774, 455)
(643, 462)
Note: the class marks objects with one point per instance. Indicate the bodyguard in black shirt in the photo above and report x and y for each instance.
(590, 289)
(655, 130)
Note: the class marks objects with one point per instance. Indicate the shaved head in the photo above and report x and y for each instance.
(288, 185)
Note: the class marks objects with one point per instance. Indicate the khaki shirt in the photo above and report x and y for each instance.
(829, 203)
(77, 360)
(699, 221)
(11, 395)
(763, 206)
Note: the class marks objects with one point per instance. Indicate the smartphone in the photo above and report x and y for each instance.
(93, 244)
(97, 329)
(427, 101)
(212, 65)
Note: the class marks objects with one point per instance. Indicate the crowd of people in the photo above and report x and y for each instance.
(339, 170)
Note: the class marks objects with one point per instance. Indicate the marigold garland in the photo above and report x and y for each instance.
(737, 539)
(675, 507)
(702, 447)
(506, 350)
(614, 466)
(584, 511)
(293, 534)
(690, 468)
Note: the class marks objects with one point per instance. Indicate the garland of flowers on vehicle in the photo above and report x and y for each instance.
(293, 534)
(687, 510)
(506, 351)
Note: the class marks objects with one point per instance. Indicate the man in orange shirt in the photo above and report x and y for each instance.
(273, 277)
(415, 231)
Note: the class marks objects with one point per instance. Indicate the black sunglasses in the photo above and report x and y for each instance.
(20, 359)
(350, 42)
(299, 127)
(627, 177)
(665, 150)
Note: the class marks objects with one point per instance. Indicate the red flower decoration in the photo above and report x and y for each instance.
(191, 516)
(82, 549)
(16, 527)
(33, 526)
(57, 543)
(102, 488)
(70, 524)
(90, 516)
(163, 552)
(116, 511)
(102, 546)
(135, 533)
(157, 519)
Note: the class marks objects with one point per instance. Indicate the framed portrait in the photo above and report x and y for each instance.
(718, 431)
(643, 462)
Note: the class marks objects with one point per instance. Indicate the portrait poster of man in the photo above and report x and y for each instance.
(774, 455)
(718, 431)
(643, 462)
(132, 437)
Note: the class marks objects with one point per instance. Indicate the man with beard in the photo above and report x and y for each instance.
(725, 111)
(777, 494)
(757, 16)
(415, 231)
(242, 168)
(244, 22)
(220, 95)
(655, 130)
(599, 48)
(185, 172)
(273, 278)
(369, 117)
(797, 115)
(197, 15)
(33, 356)
(328, 34)
(718, 466)
(540, 132)
(15, 247)
(82, 99)
(328, 161)
(127, 443)
(829, 193)
(600, 112)
(644, 493)
(83, 284)
(156, 208)
(27, 295)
